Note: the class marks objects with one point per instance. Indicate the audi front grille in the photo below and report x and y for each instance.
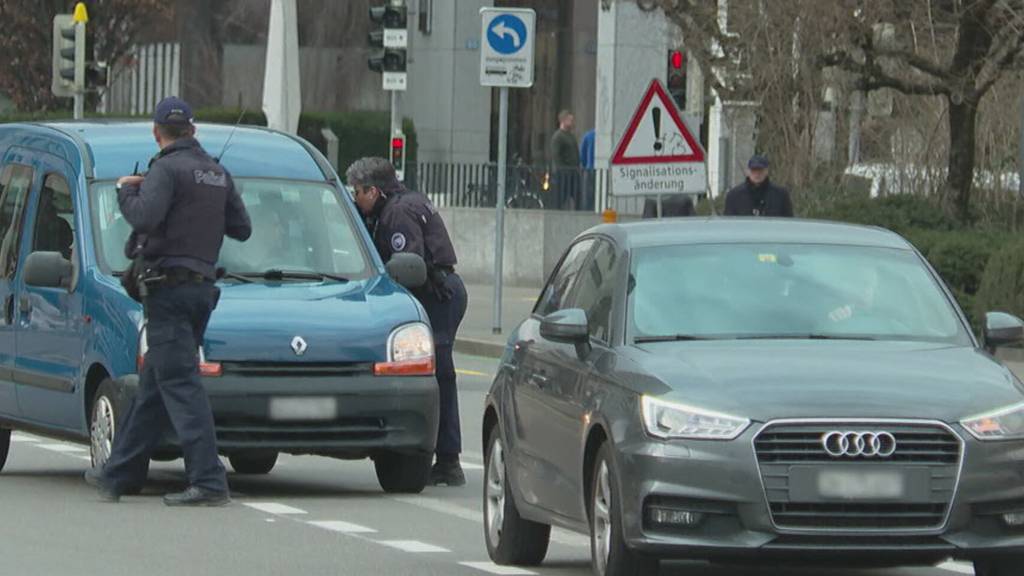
(929, 450)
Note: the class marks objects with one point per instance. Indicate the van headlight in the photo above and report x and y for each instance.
(1003, 424)
(668, 420)
(410, 352)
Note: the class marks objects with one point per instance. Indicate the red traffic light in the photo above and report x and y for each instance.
(397, 143)
(676, 59)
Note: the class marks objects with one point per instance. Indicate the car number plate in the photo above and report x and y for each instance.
(303, 408)
(861, 485)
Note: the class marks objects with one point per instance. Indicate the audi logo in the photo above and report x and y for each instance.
(854, 444)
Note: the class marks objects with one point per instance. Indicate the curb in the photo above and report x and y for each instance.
(475, 347)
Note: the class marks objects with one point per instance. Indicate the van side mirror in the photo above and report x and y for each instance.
(1002, 329)
(407, 269)
(48, 270)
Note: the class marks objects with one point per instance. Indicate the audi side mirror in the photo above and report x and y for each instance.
(569, 327)
(1002, 329)
(48, 270)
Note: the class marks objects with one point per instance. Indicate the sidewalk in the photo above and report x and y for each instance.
(475, 334)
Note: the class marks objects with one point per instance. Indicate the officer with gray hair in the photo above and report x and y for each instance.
(402, 220)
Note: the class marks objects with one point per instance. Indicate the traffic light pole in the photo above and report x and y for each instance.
(79, 70)
(499, 222)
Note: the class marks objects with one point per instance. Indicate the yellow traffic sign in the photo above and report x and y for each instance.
(81, 14)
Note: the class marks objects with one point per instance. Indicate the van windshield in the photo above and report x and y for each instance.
(296, 227)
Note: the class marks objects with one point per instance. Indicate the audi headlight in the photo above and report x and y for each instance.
(1004, 424)
(670, 420)
(410, 352)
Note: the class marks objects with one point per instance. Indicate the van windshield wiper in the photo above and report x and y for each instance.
(277, 274)
(670, 338)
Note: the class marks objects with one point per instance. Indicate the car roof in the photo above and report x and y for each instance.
(733, 230)
(114, 146)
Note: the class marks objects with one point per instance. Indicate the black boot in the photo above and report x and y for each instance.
(448, 472)
(194, 496)
(94, 478)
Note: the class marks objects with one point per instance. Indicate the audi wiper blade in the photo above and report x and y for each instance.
(810, 336)
(669, 338)
(276, 274)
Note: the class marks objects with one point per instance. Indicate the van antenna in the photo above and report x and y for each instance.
(227, 142)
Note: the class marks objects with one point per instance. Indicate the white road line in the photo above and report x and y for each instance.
(65, 448)
(19, 437)
(471, 466)
(343, 527)
(495, 569)
(414, 546)
(959, 567)
(558, 535)
(274, 508)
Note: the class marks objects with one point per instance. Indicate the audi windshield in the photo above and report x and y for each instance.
(299, 229)
(737, 291)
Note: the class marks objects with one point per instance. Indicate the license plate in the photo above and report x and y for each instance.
(861, 485)
(304, 408)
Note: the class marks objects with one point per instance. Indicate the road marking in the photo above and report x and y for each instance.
(495, 569)
(413, 546)
(471, 466)
(959, 567)
(274, 508)
(343, 527)
(472, 373)
(64, 448)
(558, 535)
(19, 437)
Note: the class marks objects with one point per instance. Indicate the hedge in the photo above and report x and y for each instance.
(359, 133)
(1002, 286)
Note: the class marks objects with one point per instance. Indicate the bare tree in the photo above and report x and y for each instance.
(26, 37)
(953, 49)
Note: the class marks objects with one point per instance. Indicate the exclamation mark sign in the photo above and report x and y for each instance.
(656, 117)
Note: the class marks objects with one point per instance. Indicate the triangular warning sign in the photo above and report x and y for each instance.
(656, 134)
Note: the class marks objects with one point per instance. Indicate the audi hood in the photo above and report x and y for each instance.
(768, 380)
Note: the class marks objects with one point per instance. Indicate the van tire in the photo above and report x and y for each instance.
(403, 473)
(105, 412)
(5, 446)
(253, 462)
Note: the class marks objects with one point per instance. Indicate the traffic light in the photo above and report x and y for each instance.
(398, 154)
(68, 56)
(389, 36)
(676, 77)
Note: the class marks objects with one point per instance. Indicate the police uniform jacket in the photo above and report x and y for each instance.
(765, 199)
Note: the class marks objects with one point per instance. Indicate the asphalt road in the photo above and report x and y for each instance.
(310, 516)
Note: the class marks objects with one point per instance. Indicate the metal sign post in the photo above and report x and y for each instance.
(506, 60)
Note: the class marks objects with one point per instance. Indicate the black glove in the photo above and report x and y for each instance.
(437, 283)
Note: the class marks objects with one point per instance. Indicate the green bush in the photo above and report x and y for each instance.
(359, 133)
(1002, 286)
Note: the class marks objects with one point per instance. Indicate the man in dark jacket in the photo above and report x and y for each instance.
(179, 212)
(757, 196)
(402, 220)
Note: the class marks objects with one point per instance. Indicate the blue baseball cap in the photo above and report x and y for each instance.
(757, 162)
(172, 110)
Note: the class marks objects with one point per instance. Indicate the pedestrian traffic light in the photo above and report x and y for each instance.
(676, 77)
(398, 153)
(389, 36)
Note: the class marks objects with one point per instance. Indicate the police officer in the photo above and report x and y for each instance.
(758, 196)
(404, 221)
(183, 207)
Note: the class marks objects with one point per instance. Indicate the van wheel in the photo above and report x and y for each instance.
(402, 473)
(253, 462)
(998, 567)
(5, 446)
(511, 539)
(107, 405)
(608, 550)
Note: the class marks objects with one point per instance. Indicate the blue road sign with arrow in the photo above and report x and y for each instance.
(507, 34)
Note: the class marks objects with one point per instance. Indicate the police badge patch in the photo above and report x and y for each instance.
(398, 242)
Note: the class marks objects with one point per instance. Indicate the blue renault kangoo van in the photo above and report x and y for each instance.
(313, 349)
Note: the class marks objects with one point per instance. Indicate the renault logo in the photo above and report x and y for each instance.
(853, 444)
(299, 346)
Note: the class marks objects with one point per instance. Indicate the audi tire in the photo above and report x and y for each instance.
(1009, 566)
(511, 539)
(5, 446)
(609, 554)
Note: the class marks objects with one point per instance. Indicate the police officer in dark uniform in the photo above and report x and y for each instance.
(180, 212)
(758, 196)
(404, 221)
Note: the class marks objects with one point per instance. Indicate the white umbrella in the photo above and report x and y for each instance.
(282, 96)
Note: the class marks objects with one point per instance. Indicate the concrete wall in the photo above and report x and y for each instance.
(534, 241)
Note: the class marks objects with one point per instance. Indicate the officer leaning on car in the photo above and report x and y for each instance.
(179, 212)
(401, 220)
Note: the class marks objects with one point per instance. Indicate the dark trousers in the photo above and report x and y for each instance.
(445, 317)
(170, 392)
(567, 188)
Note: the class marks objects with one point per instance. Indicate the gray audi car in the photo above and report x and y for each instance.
(743, 390)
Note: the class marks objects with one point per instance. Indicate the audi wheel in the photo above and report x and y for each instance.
(5, 446)
(511, 539)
